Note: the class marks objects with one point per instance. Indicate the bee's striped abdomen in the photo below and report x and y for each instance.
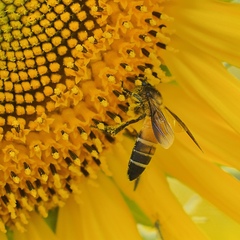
(141, 155)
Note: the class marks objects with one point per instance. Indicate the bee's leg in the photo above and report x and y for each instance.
(185, 128)
(114, 130)
(121, 127)
(131, 133)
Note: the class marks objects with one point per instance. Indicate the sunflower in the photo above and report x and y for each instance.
(67, 68)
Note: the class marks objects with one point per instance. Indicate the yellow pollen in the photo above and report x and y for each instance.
(57, 181)
(121, 98)
(77, 161)
(65, 136)
(84, 136)
(42, 210)
(25, 204)
(55, 155)
(42, 194)
(23, 218)
(2, 227)
(101, 126)
(104, 103)
(111, 79)
(27, 171)
(16, 179)
(44, 177)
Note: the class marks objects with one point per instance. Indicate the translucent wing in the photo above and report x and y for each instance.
(161, 128)
(185, 128)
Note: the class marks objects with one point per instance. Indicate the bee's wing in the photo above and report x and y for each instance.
(161, 128)
(186, 129)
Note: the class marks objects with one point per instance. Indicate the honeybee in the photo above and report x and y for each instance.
(155, 129)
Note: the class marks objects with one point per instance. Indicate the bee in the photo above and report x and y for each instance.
(155, 129)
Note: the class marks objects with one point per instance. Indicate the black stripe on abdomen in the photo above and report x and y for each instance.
(140, 157)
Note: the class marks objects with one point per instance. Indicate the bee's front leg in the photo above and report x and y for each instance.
(111, 130)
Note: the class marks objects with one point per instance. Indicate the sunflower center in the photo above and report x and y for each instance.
(39, 54)
(62, 65)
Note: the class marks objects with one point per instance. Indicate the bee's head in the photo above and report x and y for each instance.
(152, 92)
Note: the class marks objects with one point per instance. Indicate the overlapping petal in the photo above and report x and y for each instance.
(220, 143)
(209, 25)
(102, 214)
(39, 230)
(203, 77)
(208, 39)
(204, 214)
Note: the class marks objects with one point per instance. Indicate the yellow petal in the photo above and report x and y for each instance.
(204, 214)
(3, 236)
(211, 26)
(203, 77)
(182, 162)
(102, 214)
(219, 142)
(37, 230)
